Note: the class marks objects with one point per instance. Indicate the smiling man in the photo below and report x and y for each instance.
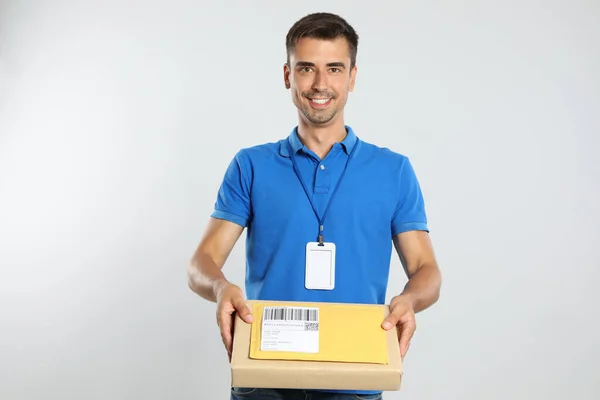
(321, 187)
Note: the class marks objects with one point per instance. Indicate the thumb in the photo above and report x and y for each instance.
(390, 322)
(242, 309)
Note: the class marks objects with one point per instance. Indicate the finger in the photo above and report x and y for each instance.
(390, 322)
(243, 310)
(226, 328)
(402, 355)
(406, 333)
(226, 337)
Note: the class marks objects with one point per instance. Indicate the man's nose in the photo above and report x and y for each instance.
(320, 82)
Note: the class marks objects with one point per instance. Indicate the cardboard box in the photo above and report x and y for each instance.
(330, 346)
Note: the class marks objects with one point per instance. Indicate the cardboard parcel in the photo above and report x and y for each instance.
(301, 345)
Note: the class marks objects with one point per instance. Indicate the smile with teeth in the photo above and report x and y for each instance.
(320, 101)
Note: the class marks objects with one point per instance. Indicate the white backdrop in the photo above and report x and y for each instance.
(118, 119)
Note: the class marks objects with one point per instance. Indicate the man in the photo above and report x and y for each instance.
(321, 186)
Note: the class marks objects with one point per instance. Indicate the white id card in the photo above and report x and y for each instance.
(320, 266)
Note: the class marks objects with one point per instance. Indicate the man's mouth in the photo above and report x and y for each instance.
(320, 102)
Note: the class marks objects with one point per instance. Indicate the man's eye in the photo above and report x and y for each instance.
(335, 70)
(306, 69)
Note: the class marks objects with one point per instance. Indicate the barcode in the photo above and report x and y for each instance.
(311, 326)
(291, 314)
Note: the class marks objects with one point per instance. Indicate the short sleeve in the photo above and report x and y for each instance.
(410, 210)
(233, 198)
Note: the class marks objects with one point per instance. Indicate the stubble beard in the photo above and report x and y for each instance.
(318, 117)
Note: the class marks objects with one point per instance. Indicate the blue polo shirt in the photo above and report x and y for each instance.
(378, 197)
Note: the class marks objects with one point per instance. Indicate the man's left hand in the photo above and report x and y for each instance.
(402, 316)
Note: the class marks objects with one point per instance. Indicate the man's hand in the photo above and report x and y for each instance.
(230, 300)
(402, 316)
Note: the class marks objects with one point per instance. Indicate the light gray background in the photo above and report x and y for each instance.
(118, 119)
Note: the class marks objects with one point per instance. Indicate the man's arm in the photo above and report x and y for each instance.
(422, 289)
(206, 278)
(232, 213)
(416, 254)
(205, 275)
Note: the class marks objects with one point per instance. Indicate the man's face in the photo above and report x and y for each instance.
(320, 77)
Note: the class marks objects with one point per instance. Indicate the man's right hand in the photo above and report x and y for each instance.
(230, 300)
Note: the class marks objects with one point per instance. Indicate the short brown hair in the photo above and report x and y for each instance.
(325, 26)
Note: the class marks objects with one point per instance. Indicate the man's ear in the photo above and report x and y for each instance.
(286, 76)
(353, 72)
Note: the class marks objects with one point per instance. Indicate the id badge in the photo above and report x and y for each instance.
(320, 266)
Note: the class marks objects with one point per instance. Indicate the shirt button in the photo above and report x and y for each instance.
(322, 166)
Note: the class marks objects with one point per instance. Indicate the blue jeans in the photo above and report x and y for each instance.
(295, 394)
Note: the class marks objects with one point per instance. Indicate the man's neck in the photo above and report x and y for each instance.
(320, 140)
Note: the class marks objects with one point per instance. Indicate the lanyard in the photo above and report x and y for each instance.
(320, 218)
